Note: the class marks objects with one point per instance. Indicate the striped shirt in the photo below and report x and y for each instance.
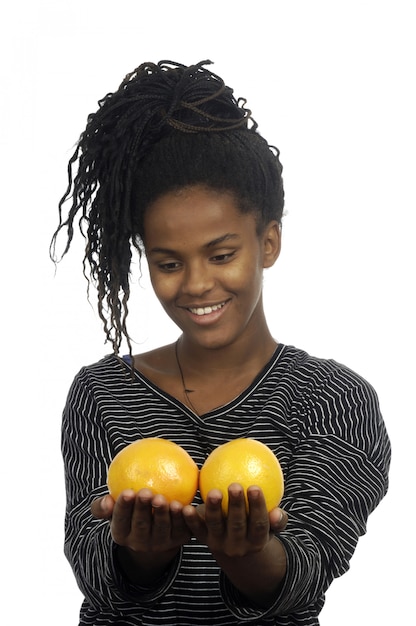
(324, 425)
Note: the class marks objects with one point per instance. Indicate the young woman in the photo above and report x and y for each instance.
(172, 165)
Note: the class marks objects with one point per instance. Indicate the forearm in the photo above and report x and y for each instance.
(257, 575)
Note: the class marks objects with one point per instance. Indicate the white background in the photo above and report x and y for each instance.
(332, 85)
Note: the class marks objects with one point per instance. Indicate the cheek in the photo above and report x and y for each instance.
(162, 285)
(248, 276)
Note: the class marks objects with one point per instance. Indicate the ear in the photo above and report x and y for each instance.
(272, 237)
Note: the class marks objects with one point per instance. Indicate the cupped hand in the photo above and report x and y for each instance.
(142, 521)
(241, 532)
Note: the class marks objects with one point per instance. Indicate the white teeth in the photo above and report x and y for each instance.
(207, 309)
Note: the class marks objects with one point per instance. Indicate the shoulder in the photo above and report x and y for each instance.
(336, 407)
(326, 395)
(109, 374)
(106, 366)
(335, 399)
(315, 373)
(114, 373)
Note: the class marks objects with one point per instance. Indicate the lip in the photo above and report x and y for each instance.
(207, 318)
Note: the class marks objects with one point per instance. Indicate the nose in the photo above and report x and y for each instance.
(197, 279)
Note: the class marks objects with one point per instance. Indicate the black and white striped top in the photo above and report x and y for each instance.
(323, 423)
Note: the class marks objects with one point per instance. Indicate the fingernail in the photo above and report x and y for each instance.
(127, 495)
(236, 492)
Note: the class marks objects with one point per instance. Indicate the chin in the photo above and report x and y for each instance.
(211, 341)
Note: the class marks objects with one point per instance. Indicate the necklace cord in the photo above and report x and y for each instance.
(186, 391)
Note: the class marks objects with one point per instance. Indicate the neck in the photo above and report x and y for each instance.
(245, 353)
(204, 372)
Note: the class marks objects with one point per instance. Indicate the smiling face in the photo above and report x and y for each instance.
(206, 263)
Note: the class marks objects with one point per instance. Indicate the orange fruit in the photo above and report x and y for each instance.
(155, 463)
(245, 461)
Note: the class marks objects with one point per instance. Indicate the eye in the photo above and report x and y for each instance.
(223, 258)
(170, 266)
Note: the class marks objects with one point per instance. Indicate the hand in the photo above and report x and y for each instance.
(143, 522)
(243, 543)
(241, 532)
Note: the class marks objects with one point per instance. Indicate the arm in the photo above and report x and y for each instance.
(95, 557)
(334, 477)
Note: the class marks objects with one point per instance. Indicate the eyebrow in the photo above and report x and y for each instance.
(210, 244)
(221, 239)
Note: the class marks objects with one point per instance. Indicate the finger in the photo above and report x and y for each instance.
(122, 513)
(161, 529)
(141, 521)
(237, 512)
(278, 519)
(258, 521)
(102, 508)
(180, 531)
(195, 523)
(200, 509)
(213, 513)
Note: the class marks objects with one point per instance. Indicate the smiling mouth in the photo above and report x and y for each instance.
(206, 310)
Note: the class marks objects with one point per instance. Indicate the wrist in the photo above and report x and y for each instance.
(257, 575)
(144, 568)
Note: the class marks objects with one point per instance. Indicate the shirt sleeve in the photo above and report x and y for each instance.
(89, 548)
(337, 475)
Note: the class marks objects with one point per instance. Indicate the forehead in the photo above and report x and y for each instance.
(195, 213)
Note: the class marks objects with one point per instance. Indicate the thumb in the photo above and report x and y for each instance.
(278, 519)
(102, 508)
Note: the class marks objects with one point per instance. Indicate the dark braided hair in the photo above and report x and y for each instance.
(167, 126)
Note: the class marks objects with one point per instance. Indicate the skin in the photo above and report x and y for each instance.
(149, 531)
(202, 252)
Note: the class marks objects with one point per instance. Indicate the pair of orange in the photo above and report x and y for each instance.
(166, 468)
